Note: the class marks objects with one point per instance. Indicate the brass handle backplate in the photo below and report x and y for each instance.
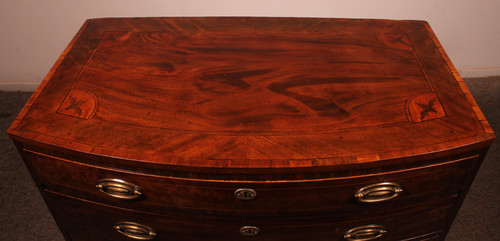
(119, 188)
(249, 231)
(365, 233)
(378, 192)
(245, 194)
(135, 230)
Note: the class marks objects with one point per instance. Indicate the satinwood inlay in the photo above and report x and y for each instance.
(80, 104)
(424, 107)
(282, 128)
(268, 94)
(254, 92)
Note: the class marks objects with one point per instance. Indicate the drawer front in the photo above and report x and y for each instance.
(82, 220)
(159, 194)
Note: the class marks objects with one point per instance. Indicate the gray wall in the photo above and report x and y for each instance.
(33, 33)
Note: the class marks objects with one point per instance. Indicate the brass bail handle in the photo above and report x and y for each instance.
(135, 230)
(365, 233)
(118, 188)
(378, 192)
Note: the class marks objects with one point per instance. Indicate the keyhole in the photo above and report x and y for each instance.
(245, 194)
(249, 231)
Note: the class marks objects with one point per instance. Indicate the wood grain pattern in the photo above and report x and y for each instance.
(254, 93)
(305, 112)
(165, 195)
(99, 220)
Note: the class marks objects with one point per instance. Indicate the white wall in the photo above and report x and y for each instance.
(33, 33)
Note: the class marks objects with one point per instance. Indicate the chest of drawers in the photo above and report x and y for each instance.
(252, 129)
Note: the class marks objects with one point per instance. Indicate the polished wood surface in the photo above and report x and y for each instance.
(423, 220)
(254, 93)
(324, 125)
(334, 195)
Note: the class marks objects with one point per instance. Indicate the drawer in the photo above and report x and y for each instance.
(159, 194)
(82, 220)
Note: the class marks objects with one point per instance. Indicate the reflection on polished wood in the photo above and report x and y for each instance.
(279, 128)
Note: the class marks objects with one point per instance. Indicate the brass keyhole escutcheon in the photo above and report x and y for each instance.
(249, 231)
(245, 194)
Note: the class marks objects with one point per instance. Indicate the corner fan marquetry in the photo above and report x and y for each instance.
(229, 129)
(79, 103)
(83, 104)
(424, 107)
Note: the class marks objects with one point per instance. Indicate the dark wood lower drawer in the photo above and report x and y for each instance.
(83, 221)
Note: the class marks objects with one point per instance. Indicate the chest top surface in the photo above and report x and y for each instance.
(253, 92)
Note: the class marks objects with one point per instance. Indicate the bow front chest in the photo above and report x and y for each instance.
(226, 129)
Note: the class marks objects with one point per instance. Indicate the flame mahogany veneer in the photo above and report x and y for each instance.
(253, 129)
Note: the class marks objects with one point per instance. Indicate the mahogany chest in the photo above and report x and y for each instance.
(186, 129)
